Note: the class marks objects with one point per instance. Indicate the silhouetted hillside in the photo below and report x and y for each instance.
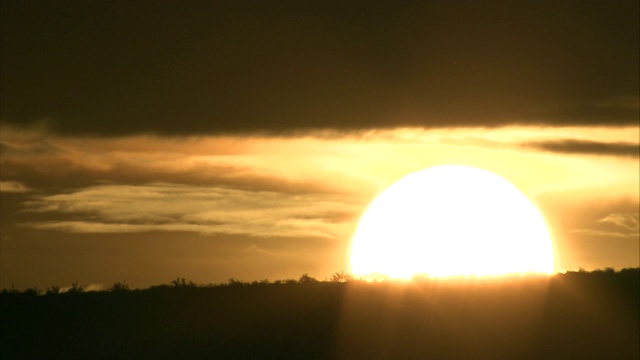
(575, 315)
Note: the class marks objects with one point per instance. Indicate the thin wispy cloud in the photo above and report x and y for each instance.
(13, 187)
(180, 208)
(607, 234)
(628, 221)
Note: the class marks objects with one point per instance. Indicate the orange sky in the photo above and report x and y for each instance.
(144, 141)
(278, 206)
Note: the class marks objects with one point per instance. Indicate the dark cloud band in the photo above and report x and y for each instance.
(114, 68)
(588, 147)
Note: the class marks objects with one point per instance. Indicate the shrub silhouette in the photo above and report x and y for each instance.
(306, 279)
(11, 290)
(53, 290)
(32, 292)
(234, 282)
(182, 282)
(76, 288)
(119, 286)
(341, 277)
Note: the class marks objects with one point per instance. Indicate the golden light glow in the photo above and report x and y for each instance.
(451, 220)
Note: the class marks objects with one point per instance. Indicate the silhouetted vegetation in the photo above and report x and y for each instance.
(341, 277)
(574, 315)
(76, 288)
(119, 286)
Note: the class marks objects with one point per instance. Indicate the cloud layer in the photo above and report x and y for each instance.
(180, 208)
(213, 207)
(237, 66)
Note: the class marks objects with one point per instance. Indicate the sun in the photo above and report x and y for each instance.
(451, 220)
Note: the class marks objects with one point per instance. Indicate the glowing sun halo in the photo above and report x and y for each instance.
(451, 220)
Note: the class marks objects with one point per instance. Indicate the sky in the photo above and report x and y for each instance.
(148, 140)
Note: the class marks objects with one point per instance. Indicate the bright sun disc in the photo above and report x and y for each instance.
(451, 220)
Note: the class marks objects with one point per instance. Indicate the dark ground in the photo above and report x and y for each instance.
(569, 316)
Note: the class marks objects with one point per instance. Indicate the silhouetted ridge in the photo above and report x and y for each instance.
(573, 315)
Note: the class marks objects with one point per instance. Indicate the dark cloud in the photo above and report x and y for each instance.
(168, 67)
(588, 147)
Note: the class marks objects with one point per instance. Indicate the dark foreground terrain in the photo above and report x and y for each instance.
(570, 316)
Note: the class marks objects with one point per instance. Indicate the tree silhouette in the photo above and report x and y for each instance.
(53, 290)
(341, 277)
(181, 282)
(306, 279)
(119, 286)
(76, 288)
